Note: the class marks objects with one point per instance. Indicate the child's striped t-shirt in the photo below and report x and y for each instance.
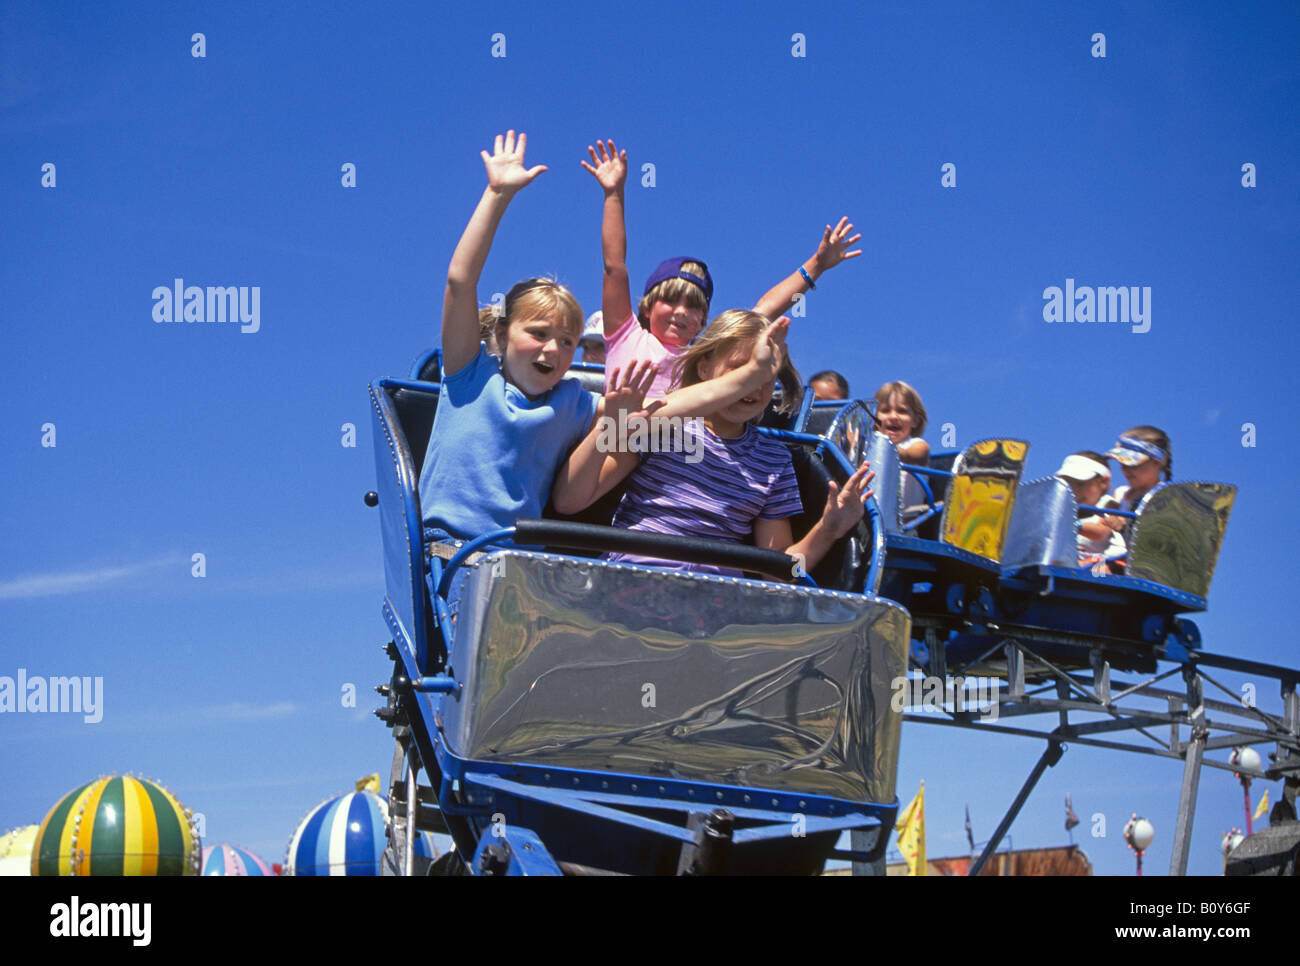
(709, 487)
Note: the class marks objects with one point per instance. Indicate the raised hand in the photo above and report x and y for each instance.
(845, 506)
(505, 165)
(834, 241)
(609, 166)
(626, 389)
(769, 350)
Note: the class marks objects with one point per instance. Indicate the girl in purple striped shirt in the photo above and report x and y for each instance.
(727, 482)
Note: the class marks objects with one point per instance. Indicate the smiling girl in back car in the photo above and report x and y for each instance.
(901, 415)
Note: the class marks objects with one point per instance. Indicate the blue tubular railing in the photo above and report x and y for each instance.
(877, 544)
(873, 512)
(919, 473)
(1109, 512)
(805, 407)
(821, 444)
(460, 556)
(935, 508)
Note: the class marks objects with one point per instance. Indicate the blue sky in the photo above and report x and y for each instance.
(176, 439)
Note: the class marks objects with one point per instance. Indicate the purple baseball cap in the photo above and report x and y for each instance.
(672, 268)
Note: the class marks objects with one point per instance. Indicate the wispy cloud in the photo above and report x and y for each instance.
(80, 581)
(148, 720)
(240, 711)
(291, 580)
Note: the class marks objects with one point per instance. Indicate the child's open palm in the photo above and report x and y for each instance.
(627, 388)
(834, 241)
(505, 165)
(609, 167)
(769, 349)
(845, 505)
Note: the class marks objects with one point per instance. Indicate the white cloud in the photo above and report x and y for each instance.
(62, 584)
(243, 711)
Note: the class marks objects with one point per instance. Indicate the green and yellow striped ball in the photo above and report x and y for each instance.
(117, 826)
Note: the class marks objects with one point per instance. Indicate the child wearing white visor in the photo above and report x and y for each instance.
(1089, 478)
(1144, 455)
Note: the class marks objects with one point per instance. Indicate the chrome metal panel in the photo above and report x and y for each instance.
(638, 670)
(851, 431)
(1044, 526)
(1178, 533)
(981, 495)
(888, 484)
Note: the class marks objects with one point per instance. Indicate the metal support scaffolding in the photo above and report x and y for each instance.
(1037, 686)
(1051, 755)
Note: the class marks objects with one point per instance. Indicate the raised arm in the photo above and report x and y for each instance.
(845, 506)
(609, 167)
(830, 252)
(708, 397)
(506, 175)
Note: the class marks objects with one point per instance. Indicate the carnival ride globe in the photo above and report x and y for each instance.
(16, 850)
(117, 825)
(226, 859)
(344, 835)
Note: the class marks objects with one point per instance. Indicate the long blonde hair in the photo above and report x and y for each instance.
(723, 336)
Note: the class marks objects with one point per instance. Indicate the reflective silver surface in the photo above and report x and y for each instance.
(1044, 526)
(981, 495)
(645, 671)
(852, 431)
(883, 456)
(1178, 533)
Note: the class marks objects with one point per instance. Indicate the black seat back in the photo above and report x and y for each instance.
(845, 565)
(415, 411)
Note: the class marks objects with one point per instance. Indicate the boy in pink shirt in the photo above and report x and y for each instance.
(675, 304)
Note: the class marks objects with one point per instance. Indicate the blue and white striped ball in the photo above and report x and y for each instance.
(340, 836)
(227, 859)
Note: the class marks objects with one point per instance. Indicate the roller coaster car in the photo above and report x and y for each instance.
(1173, 546)
(578, 716)
(1005, 560)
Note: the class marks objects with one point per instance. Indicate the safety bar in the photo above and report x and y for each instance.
(589, 536)
(1105, 511)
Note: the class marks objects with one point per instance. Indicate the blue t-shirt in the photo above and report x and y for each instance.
(493, 452)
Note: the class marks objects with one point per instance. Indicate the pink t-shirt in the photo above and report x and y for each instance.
(631, 344)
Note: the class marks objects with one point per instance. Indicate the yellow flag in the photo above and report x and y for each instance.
(911, 834)
(1263, 805)
(369, 784)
